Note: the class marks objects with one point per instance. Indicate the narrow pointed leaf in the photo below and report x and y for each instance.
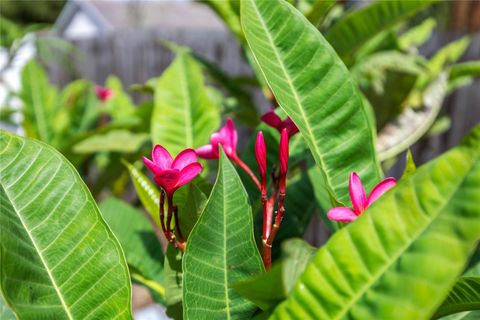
(221, 250)
(353, 30)
(465, 296)
(59, 259)
(380, 266)
(184, 115)
(314, 88)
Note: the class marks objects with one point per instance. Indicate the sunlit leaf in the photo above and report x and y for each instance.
(314, 88)
(221, 250)
(379, 266)
(59, 259)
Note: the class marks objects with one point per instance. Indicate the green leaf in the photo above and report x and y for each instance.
(119, 105)
(184, 116)
(465, 296)
(417, 35)
(410, 166)
(139, 242)
(268, 289)
(146, 191)
(354, 29)
(221, 250)
(39, 102)
(467, 315)
(314, 88)
(59, 259)
(123, 141)
(173, 282)
(380, 267)
(463, 69)
(318, 11)
(5, 312)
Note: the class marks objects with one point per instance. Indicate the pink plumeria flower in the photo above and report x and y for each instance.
(227, 137)
(171, 174)
(273, 120)
(103, 94)
(359, 201)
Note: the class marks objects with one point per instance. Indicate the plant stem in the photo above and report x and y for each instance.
(166, 231)
(245, 168)
(177, 224)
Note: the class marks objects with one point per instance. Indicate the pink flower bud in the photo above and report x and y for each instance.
(283, 152)
(283, 159)
(227, 137)
(261, 155)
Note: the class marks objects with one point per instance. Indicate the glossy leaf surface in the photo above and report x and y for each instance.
(184, 116)
(221, 250)
(59, 259)
(379, 266)
(314, 88)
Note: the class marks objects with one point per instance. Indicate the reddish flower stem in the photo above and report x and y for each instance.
(166, 231)
(245, 168)
(169, 213)
(177, 224)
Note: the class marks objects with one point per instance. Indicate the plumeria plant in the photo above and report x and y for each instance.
(221, 194)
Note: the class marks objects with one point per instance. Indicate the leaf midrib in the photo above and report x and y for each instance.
(187, 112)
(290, 85)
(402, 250)
(42, 130)
(38, 251)
(225, 275)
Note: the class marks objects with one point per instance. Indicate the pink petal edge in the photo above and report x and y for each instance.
(152, 166)
(357, 193)
(161, 157)
(184, 158)
(189, 173)
(342, 214)
(380, 189)
(206, 152)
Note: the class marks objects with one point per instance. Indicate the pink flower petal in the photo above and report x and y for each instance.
(291, 127)
(380, 189)
(261, 155)
(230, 134)
(188, 173)
(272, 119)
(152, 166)
(342, 214)
(184, 158)
(357, 194)
(207, 152)
(283, 153)
(161, 157)
(168, 180)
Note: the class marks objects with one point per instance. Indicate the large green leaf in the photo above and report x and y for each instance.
(380, 266)
(139, 242)
(184, 116)
(221, 250)
(314, 88)
(353, 30)
(113, 141)
(59, 259)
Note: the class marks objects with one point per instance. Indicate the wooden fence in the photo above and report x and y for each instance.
(138, 55)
